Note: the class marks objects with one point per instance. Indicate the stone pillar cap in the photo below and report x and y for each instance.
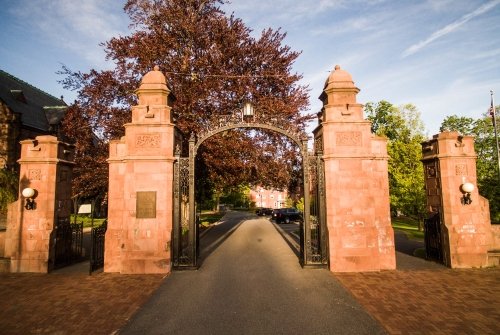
(339, 78)
(154, 79)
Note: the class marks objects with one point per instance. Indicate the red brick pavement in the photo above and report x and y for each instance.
(441, 301)
(71, 303)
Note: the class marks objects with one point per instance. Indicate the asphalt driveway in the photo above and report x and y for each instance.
(250, 282)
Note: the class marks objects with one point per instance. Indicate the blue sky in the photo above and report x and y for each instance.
(442, 56)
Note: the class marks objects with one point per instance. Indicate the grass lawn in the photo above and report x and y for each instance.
(87, 221)
(409, 227)
(208, 217)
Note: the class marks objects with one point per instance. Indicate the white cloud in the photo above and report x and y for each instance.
(77, 26)
(259, 14)
(487, 54)
(359, 24)
(441, 5)
(449, 28)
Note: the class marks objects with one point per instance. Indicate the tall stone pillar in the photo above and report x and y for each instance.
(140, 185)
(449, 162)
(46, 166)
(356, 181)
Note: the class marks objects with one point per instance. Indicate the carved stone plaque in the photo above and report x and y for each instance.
(146, 205)
(35, 174)
(147, 140)
(461, 169)
(348, 138)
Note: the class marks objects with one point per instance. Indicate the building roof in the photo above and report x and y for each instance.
(38, 109)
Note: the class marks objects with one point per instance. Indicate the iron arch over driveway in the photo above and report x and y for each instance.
(256, 125)
(185, 246)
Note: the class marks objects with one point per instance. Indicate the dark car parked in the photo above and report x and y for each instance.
(286, 215)
(263, 211)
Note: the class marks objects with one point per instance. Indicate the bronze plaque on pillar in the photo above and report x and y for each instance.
(146, 205)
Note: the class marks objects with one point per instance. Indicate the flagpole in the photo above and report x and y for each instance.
(494, 116)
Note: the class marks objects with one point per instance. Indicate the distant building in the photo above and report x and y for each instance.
(25, 112)
(268, 198)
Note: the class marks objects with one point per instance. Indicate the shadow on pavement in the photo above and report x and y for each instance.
(220, 232)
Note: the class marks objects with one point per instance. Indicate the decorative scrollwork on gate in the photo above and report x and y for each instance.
(184, 192)
(262, 119)
(315, 253)
(181, 255)
(433, 238)
(68, 243)
(98, 236)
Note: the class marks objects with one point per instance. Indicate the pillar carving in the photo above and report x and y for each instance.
(140, 185)
(356, 181)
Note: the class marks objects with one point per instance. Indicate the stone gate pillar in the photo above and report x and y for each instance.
(356, 181)
(46, 166)
(140, 185)
(449, 162)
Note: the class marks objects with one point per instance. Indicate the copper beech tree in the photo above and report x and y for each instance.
(213, 65)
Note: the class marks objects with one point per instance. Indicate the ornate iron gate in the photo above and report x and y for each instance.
(313, 237)
(432, 225)
(97, 238)
(185, 240)
(184, 234)
(68, 243)
(433, 241)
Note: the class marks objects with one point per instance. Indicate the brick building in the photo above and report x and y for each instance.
(268, 198)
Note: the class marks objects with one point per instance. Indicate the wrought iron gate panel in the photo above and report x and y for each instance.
(432, 225)
(433, 238)
(314, 251)
(68, 243)
(182, 255)
(97, 239)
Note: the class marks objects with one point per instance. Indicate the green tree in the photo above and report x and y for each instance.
(9, 184)
(485, 147)
(300, 205)
(404, 129)
(464, 125)
(385, 119)
(236, 196)
(8, 192)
